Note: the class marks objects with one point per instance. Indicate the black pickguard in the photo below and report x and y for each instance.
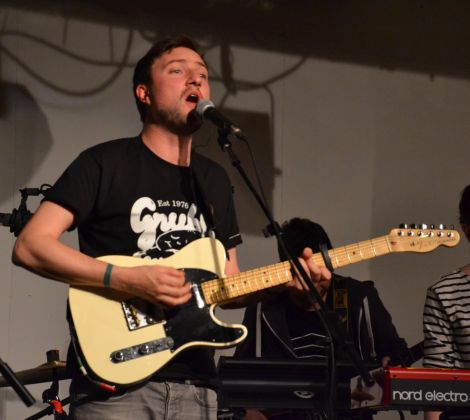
(192, 322)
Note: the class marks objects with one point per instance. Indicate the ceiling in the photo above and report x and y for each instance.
(428, 36)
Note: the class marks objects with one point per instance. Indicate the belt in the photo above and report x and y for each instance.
(196, 382)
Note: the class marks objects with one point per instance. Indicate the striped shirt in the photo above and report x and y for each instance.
(446, 322)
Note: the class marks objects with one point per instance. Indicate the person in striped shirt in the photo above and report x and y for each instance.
(446, 317)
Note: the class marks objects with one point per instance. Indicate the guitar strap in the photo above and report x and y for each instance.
(341, 300)
(326, 257)
(201, 197)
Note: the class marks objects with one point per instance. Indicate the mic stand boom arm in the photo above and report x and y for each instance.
(329, 318)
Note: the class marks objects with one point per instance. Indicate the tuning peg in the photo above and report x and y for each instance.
(441, 226)
(413, 226)
(403, 226)
(432, 226)
(451, 227)
(423, 226)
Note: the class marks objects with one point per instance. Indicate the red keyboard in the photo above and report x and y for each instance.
(413, 388)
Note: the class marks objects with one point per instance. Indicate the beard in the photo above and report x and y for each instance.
(178, 123)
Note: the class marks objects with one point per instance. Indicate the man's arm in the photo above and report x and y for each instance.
(439, 351)
(39, 249)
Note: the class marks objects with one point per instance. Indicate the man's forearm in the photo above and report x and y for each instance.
(50, 258)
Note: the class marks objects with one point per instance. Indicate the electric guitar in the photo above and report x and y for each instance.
(124, 340)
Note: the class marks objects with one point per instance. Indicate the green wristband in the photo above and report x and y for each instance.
(107, 275)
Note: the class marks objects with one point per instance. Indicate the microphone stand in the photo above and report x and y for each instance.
(327, 316)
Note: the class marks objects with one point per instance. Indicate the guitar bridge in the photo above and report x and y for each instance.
(140, 350)
(139, 313)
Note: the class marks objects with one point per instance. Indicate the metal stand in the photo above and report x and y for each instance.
(14, 382)
(51, 395)
(328, 318)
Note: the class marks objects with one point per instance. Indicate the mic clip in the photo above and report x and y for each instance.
(18, 218)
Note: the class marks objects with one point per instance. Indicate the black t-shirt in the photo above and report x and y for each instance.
(128, 201)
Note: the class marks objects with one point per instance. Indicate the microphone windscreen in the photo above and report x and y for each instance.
(203, 105)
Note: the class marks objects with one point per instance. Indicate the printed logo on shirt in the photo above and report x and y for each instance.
(165, 226)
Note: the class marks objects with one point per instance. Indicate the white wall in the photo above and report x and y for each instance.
(358, 149)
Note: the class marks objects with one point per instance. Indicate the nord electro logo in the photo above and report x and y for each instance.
(431, 396)
(430, 393)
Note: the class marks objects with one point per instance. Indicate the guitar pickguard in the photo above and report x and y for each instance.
(194, 321)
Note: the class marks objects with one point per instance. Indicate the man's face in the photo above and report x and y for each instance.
(179, 81)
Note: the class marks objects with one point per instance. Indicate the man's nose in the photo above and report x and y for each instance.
(195, 79)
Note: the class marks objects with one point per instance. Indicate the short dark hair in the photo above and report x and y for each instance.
(300, 233)
(464, 206)
(142, 70)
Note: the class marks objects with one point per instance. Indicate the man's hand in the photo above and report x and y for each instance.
(158, 284)
(386, 361)
(320, 277)
(254, 414)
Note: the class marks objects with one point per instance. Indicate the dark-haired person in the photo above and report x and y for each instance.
(287, 325)
(446, 317)
(146, 196)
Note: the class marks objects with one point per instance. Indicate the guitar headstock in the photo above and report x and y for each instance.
(421, 238)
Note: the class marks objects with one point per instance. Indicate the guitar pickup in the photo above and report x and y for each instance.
(140, 350)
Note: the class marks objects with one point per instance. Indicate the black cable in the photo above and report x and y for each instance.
(119, 69)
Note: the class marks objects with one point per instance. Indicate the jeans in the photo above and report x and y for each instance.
(154, 401)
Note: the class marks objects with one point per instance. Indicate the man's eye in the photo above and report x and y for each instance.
(203, 76)
(177, 71)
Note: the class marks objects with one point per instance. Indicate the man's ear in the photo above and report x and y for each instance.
(142, 92)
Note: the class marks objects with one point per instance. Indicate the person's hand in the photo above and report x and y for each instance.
(253, 414)
(158, 284)
(320, 277)
(386, 361)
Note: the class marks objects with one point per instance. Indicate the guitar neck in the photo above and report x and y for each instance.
(355, 253)
(225, 289)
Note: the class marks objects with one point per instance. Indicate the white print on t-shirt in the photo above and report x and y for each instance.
(162, 233)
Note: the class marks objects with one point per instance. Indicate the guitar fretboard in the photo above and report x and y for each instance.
(228, 288)
(355, 253)
(225, 289)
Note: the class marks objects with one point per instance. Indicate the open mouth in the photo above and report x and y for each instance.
(192, 98)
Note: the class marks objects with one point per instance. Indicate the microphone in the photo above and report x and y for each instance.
(16, 220)
(206, 109)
